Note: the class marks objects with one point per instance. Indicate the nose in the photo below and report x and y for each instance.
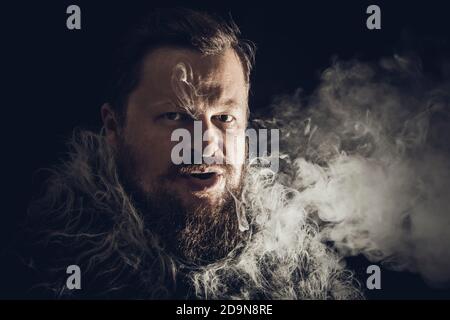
(208, 142)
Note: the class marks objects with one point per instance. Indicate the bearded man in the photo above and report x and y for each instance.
(140, 226)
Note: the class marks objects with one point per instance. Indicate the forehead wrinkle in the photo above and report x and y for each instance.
(215, 99)
(194, 94)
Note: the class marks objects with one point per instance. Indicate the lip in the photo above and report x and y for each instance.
(204, 170)
(198, 184)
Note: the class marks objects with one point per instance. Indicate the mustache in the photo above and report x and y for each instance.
(186, 169)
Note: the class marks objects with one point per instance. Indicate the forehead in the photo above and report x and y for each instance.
(168, 73)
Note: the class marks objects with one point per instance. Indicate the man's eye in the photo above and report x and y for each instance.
(173, 116)
(225, 118)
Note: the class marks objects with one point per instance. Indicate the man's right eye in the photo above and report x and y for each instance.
(173, 116)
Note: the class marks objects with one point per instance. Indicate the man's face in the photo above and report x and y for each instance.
(176, 87)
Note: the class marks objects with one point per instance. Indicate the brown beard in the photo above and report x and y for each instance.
(198, 235)
(209, 234)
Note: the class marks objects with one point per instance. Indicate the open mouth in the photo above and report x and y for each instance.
(203, 176)
(202, 181)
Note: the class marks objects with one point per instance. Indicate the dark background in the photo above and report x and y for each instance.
(54, 78)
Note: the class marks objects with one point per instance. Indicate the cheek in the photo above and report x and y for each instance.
(151, 149)
(235, 149)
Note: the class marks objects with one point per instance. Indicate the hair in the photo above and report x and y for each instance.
(178, 27)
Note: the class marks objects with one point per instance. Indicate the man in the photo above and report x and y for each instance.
(140, 225)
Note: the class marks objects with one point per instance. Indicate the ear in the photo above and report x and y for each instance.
(111, 124)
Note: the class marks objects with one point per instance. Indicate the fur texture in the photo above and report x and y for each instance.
(85, 217)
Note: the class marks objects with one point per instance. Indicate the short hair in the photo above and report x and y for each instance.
(178, 27)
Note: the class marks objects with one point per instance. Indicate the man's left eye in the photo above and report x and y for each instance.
(225, 118)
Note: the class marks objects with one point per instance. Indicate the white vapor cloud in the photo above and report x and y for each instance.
(369, 154)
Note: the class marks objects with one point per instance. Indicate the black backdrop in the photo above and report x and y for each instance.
(54, 79)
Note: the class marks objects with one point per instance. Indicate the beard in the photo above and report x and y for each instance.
(196, 234)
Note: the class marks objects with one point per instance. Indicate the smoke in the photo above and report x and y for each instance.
(368, 153)
(284, 256)
(366, 168)
(186, 92)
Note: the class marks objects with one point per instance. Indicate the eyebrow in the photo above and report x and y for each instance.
(230, 102)
(161, 102)
(228, 105)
